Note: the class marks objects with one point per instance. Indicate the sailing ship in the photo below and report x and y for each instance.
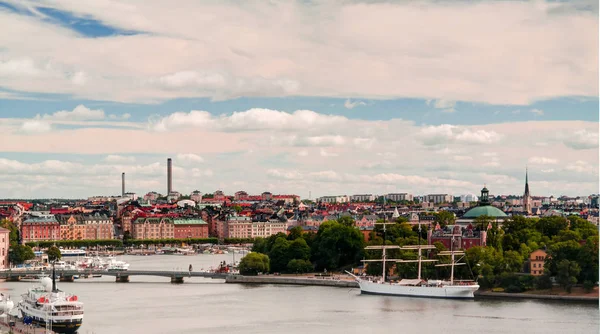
(417, 287)
(49, 307)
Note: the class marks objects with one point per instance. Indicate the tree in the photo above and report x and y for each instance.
(445, 218)
(299, 266)
(126, 236)
(567, 274)
(14, 231)
(53, 254)
(279, 255)
(237, 208)
(337, 245)
(346, 221)
(20, 253)
(298, 249)
(254, 263)
(295, 233)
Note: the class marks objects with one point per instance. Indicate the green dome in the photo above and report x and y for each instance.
(486, 210)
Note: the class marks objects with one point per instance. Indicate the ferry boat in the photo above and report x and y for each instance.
(47, 306)
(113, 264)
(72, 252)
(416, 287)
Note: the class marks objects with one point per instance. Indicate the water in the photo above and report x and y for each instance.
(153, 305)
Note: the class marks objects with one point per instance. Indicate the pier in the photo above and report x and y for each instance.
(120, 276)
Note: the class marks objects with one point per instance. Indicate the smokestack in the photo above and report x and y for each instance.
(169, 177)
(122, 184)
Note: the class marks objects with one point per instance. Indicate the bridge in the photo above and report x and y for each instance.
(120, 276)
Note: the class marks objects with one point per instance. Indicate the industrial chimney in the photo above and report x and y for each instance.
(123, 184)
(169, 177)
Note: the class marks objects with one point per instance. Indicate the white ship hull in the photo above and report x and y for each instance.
(392, 289)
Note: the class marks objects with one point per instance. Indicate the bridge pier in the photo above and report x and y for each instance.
(176, 280)
(67, 278)
(13, 278)
(122, 279)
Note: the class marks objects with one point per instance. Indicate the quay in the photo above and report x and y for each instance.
(304, 280)
(17, 327)
(479, 295)
(120, 276)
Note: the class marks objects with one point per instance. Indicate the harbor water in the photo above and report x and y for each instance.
(148, 305)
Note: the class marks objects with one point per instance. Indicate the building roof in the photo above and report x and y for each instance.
(195, 221)
(486, 210)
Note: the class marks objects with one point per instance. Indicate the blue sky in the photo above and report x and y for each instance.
(89, 91)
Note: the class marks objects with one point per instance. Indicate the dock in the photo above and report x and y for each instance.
(16, 326)
(120, 276)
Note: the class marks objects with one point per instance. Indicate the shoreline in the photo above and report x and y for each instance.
(344, 283)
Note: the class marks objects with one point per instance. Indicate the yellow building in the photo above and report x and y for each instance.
(536, 262)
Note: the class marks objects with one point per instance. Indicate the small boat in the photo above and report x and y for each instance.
(6, 304)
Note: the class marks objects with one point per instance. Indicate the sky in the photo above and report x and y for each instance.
(306, 97)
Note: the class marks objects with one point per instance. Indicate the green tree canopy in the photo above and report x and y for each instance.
(299, 266)
(337, 245)
(254, 263)
(53, 254)
(20, 253)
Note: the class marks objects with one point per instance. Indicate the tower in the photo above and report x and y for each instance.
(169, 177)
(526, 195)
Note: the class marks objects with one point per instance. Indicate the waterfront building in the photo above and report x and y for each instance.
(333, 199)
(190, 228)
(537, 259)
(153, 228)
(98, 226)
(42, 228)
(4, 246)
(267, 229)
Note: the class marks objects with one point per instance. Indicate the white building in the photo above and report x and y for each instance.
(397, 197)
(334, 199)
(469, 198)
(439, 198)
(362, 198)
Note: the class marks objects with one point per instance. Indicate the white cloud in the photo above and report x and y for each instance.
(581, 166)
(303, 153)
(538, 112)
(549, 170)
(445, 105)
(325, 153)
(322, 49)
(581, 139)
(542, 161)
(124, 116)
(446, 133)
(35, 126)
(250, 120)
(350, 105)
(286, 175)
(79, 113)
(119, 158)
(462, 158)
(189, 158)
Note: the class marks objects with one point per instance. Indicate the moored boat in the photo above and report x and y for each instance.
(47, 306)
(417, 287)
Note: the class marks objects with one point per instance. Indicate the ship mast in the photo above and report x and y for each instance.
(453, 262)
(419, 248)
(383, 246)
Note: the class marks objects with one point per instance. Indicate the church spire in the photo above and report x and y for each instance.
(526, 195)
(526, 182)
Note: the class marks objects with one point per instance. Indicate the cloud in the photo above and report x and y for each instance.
(350, 105)
(35, 126)
(303, 153)
(446, 105)
(325, 153)
(542, 161)
(79, 113)
(189, 158)
(285, 175)
(581, 166)
(323, 49)
(124, 116)
(446, 133)
(119, 158)
(581, 139)
(250, 120)
(538, 112)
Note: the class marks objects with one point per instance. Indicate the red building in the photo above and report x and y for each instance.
(40, 229)
(464, 238)
(194, 228)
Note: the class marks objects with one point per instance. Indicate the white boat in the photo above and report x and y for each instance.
(72, 252)
(416, 287)
(47, 306)
(6, 304)
(113, 264)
